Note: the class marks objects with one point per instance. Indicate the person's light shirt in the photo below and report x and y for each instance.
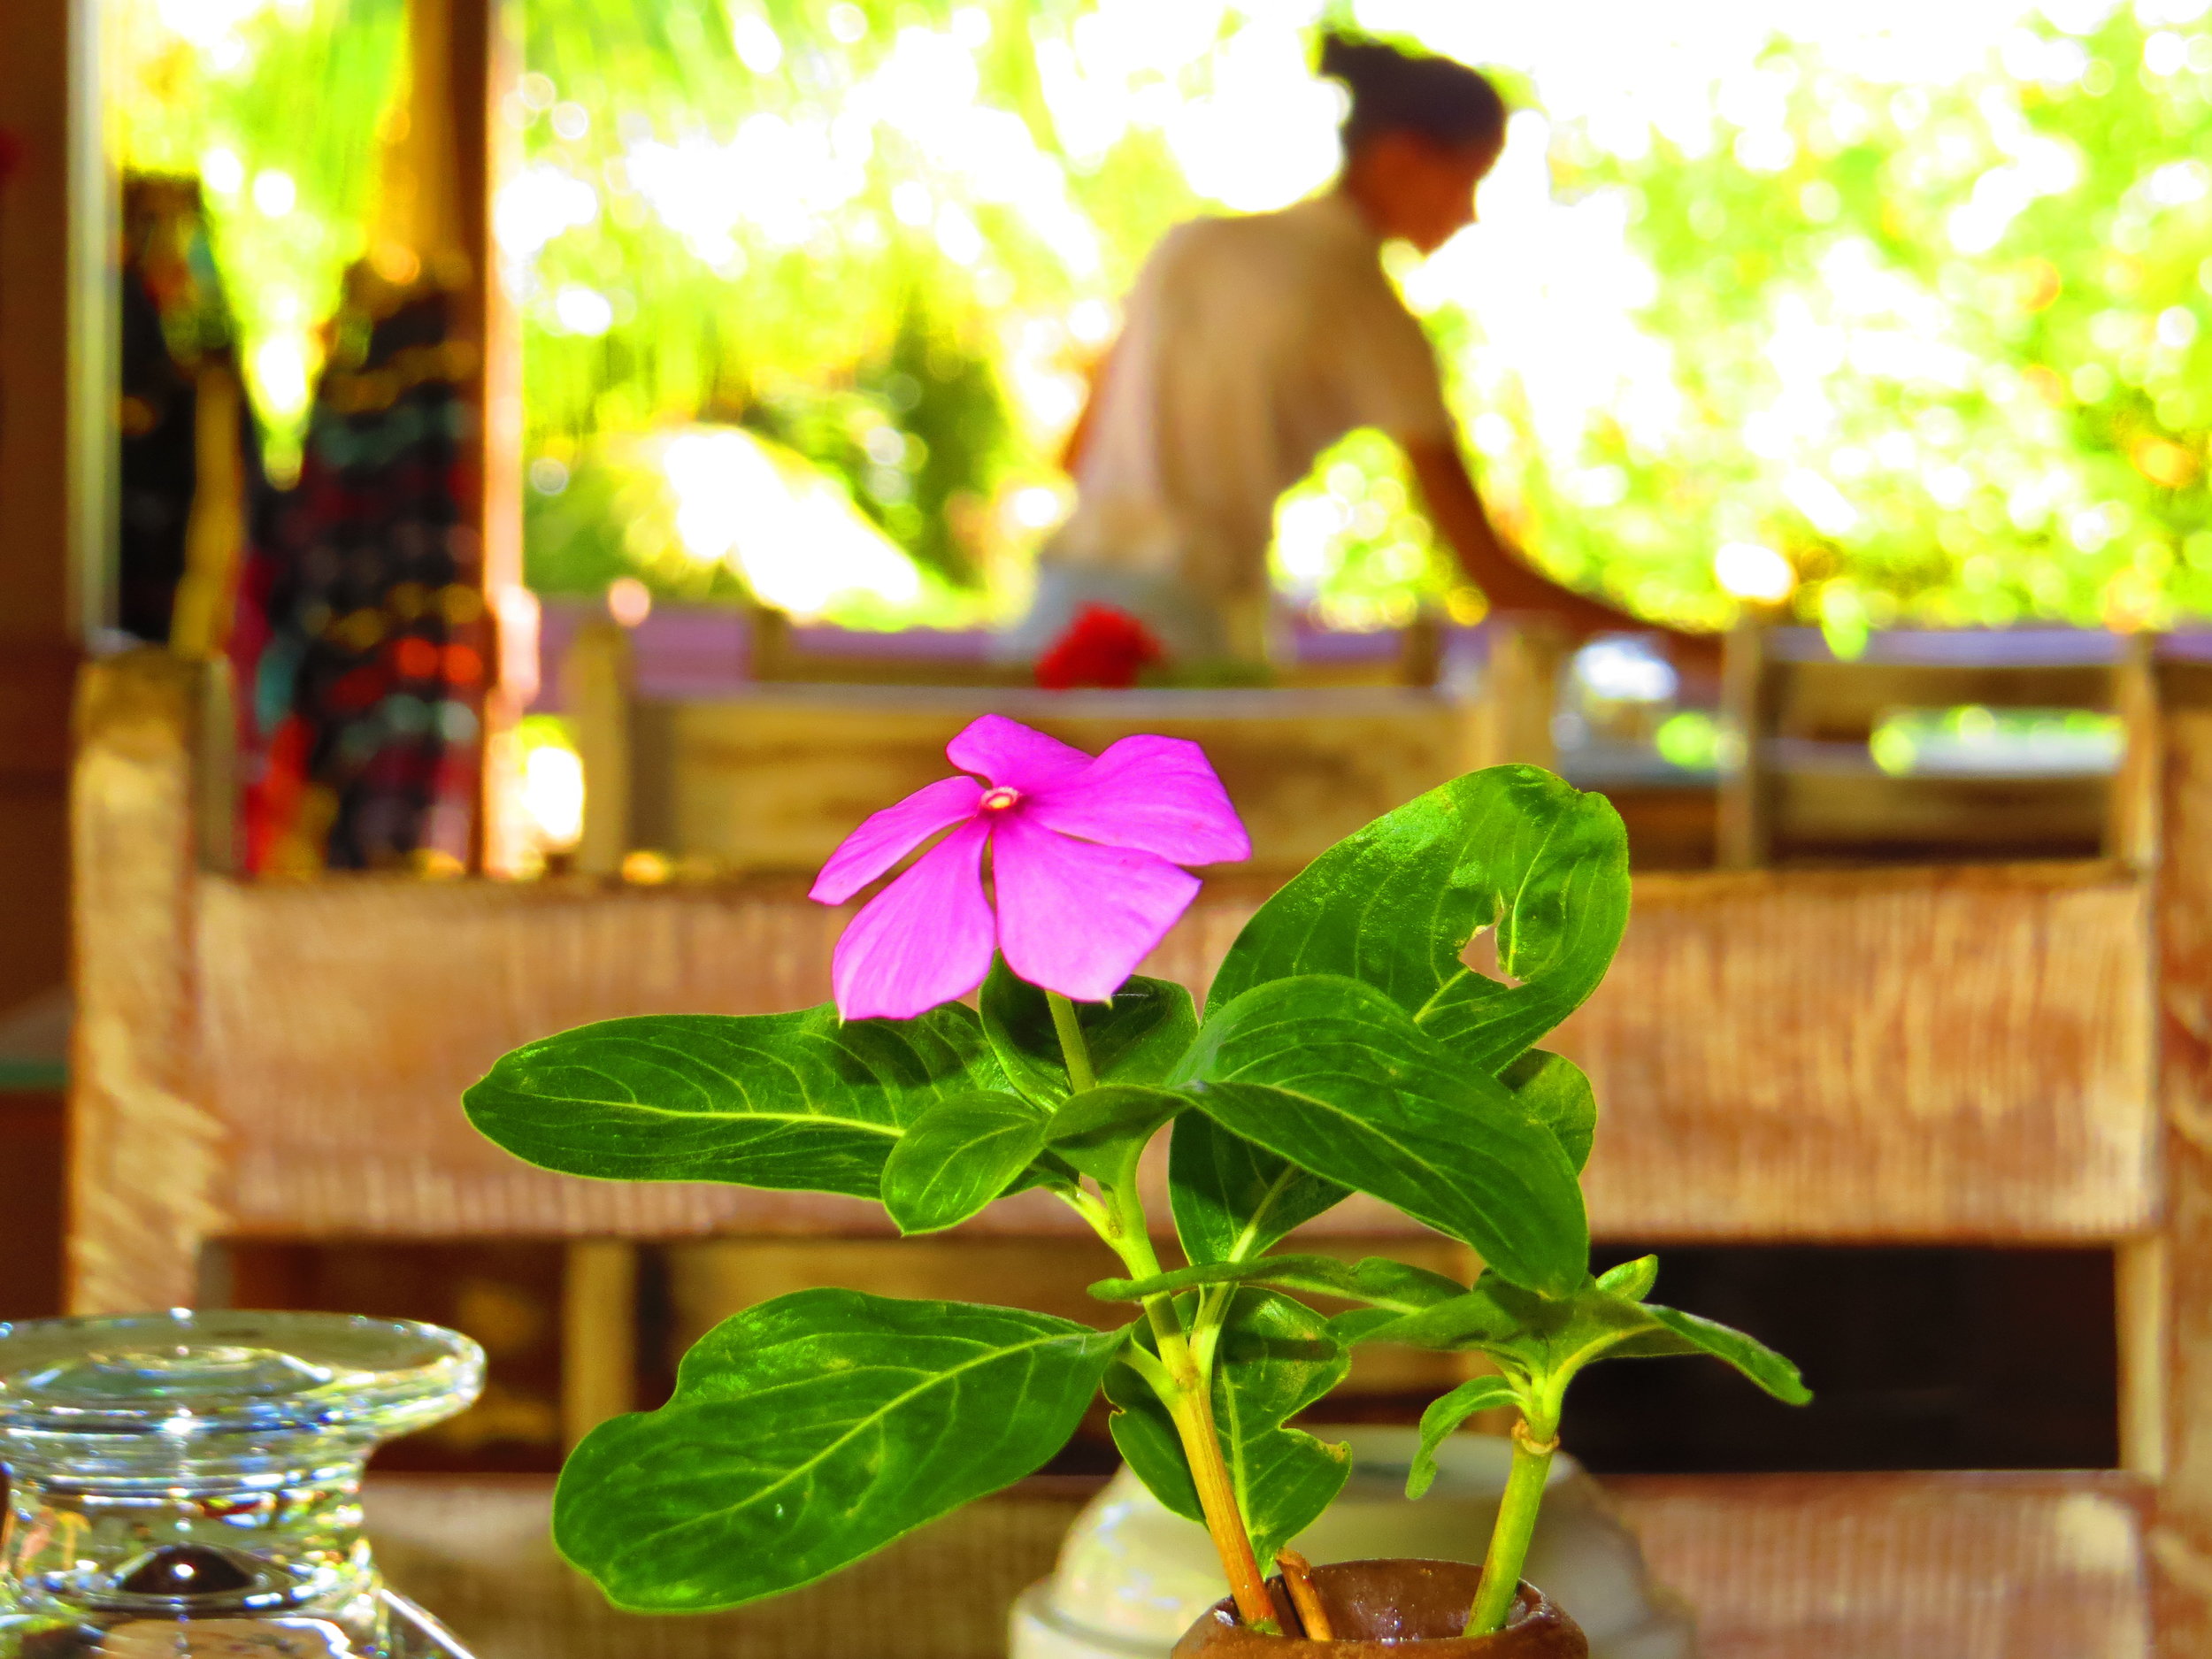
(1250, 345)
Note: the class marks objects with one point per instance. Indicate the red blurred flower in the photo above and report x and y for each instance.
(1102, 647)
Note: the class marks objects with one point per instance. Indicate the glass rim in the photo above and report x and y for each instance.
(189, 1373)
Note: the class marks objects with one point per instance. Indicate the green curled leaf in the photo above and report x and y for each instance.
(1444, 1416)
(811, 1430)
(1356, 1325)
(1553, 1338)
(1396, 903)
(1275, 1358)
(1553, 1091)
(1687, 1333)
(1103, 1131)
(958, 1156)
(1632, 1279)
(1232, 1200)
(1328, 1072)
(1136, 1037)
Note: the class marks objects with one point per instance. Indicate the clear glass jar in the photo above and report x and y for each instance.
(188, 1484)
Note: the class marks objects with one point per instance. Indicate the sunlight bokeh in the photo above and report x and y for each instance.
(1881, 312)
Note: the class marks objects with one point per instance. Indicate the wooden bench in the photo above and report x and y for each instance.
(2008, 1053)
(1807, 787)
(772, 776)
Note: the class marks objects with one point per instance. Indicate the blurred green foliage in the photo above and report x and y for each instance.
(1944, 346)
(839, 218)
(1939, 343)
(278, 110)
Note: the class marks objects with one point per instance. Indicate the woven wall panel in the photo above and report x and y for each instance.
(1876, 1055)
(345, 1103)
(1925, 1566)
(1879, 1054)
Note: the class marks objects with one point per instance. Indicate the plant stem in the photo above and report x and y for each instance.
(1122, 1225)
(1190, 1407)
(1073, 1048)
(1534, 1441)
(1194, 1417)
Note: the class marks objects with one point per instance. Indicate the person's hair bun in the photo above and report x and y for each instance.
(1396, 90)
(1348, 58)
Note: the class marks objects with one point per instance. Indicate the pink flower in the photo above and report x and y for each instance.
(1084, 864)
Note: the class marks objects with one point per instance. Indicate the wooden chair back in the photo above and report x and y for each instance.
(1807, 786)
(772, 778)
(1998, 1053)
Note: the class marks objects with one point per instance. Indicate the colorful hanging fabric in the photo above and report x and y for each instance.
(363, 643)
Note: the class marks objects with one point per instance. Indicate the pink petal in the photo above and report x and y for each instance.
(890, 836)
(1008, 752)
(1075, 917)
(923, 941)
(1157, 793)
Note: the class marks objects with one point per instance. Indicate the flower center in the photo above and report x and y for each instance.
(999, 799)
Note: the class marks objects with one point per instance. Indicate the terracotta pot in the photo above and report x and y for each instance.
(1385, 1609)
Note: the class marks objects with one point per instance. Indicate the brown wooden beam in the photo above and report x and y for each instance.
(2181, 1538)
(53, 313)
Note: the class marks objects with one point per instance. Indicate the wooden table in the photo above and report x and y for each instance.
(1920, 1566)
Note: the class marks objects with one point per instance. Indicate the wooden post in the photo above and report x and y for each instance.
(145, 1157)
(2132, 821)
(1746, 826)
(2181, 1535)
(597, 690)
(488, 62)
(770, 642)
(598, 1334)
(2141, 1291)
(1511, 721)
(56, 423)
(1421, 651)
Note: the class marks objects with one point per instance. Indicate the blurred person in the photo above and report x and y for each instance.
(1252, 343)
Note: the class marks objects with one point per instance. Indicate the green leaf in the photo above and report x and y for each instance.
(788, 1100)
(1377, 1280)
(1356, 1325)
(1687, 1333)
(1232, 1200)
(1396, 903)
(1529, 1334)
(1328, 1072)
(1102, 1131)
(1444, 1416)
(1136, 1038)
(1480, 1318)
(1632, 1279)
(1275, 1358)
(1534, 1336)
(811, 1430)
(1553, 1090)
(958, 1156)
(1145, 1436)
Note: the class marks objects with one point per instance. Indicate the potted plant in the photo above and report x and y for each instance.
(1344, 1047)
